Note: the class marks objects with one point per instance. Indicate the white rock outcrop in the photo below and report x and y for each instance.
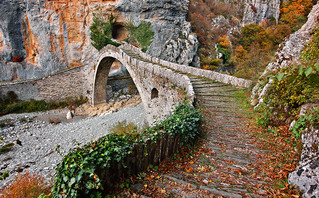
(259, 10)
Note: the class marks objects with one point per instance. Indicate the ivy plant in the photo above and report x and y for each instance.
(83, 171)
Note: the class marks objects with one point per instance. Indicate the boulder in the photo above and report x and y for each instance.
(306, 175)
(69, 115)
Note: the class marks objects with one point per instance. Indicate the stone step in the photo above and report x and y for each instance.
(209, 85)
(219, 106)
(211, 189)
(230, 147)
(212, 94)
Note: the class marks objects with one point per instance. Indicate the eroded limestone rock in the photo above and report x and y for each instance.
(258, 10)
(306, 175)
(54, 35)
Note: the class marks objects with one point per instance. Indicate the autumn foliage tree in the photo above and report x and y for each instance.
(256, 44)
(200, 14)
(294, 13)
(253, 47)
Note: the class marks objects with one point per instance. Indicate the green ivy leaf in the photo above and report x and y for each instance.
(280, 76)
(300, 70)
(317, 67)
(308, 71)
(72, 181)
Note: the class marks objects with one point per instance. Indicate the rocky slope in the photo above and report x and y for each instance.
(288, 52)
(306, 174)
(53, 35)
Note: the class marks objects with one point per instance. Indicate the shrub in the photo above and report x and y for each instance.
(4, 175)
(124, 127)
(215, 62)
(101, 31)
(294, 86)
(82, 172)
(310, 119)
(26, 186)
(6, 148)
(142, 34)
(11, 104)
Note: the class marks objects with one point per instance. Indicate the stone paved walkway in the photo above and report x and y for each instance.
(226, 167)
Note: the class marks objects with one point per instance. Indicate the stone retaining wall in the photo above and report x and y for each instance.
(67, 83)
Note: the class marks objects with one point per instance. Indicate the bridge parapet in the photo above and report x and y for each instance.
(224, 78)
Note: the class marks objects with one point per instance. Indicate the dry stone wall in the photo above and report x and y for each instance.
(69, 83)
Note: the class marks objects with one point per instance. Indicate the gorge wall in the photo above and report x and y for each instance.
(39, 38)
(259, 10)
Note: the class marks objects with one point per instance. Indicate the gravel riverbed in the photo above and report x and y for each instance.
(39, 139)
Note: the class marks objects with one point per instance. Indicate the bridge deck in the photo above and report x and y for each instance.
(225, 165)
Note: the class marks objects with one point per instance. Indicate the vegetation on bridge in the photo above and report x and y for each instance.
(102, 31)
(140, 35)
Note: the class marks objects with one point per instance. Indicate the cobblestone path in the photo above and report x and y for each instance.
(226, 165)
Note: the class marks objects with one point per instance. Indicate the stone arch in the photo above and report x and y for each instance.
(120, 32)
(100, 81)
(145, 75)
(101, 78)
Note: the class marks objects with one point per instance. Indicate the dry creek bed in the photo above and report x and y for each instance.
(35, 140)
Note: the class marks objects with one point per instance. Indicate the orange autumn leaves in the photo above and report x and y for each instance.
(295, 10)
(26, 185)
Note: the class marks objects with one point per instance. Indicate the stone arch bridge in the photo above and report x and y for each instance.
(161, 84)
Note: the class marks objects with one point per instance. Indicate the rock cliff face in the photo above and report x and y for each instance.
(259, 10)
(52, 35)
(173, 39)
(306, 175)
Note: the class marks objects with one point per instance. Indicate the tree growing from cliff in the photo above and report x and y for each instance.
(141, 34)
(101, 31)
